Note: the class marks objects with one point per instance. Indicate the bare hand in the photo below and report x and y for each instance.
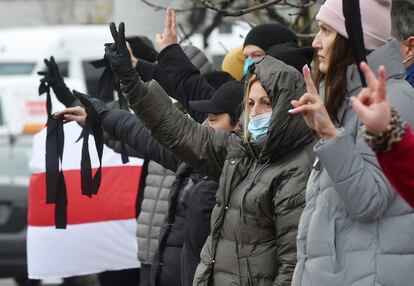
(134, 60)
(372, 104)
(169, 36)
(313, 110)
(77, 114)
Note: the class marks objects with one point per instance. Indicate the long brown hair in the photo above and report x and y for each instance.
(342, 56)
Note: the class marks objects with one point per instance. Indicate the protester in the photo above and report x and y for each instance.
(262, 37)
(262, 174)
(185, 77)
(222, 109)
(347, 233)
(387, 135)
(402, 28)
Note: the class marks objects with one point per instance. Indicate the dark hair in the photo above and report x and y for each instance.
(233, 121)
(402, 19)
(341, 58)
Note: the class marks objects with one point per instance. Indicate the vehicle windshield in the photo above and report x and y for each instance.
(16, 68)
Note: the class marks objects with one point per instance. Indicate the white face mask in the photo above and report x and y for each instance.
(259, 125)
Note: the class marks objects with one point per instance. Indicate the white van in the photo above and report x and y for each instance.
(22, 51)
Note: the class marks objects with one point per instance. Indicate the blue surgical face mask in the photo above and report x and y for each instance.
(259, 125)
(247, 63)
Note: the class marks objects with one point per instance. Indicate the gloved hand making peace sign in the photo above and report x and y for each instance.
(118, 56)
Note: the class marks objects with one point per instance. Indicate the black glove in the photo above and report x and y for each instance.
(118, 56)
(53, 78)
(99, 106)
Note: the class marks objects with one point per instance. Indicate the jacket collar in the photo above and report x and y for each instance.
(388, 55)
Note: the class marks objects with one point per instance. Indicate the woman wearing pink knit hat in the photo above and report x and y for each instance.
(355, 229)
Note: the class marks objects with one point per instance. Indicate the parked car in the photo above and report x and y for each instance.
(15, 153)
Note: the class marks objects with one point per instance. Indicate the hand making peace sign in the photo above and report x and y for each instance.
(372, 105)
(313, 110)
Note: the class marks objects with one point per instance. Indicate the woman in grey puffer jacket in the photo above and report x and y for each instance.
(355, 229)
(261, 182)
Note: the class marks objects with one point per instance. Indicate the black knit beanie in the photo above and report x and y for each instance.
(266, 35)
(291, 54)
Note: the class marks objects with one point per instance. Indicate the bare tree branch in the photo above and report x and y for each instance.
(239, 12)
(264, 5)
(159, 7)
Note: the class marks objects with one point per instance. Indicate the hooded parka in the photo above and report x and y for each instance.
(261, 184)
(355, 229)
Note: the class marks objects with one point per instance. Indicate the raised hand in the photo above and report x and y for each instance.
(313, 110)
(118, 56)
(53, 78)
(169, 36)
(52, 74)
(372, 105)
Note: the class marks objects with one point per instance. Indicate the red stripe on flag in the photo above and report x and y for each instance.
(116, 198)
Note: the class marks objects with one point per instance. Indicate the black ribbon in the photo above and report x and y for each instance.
(55, 180)
(353, 25)
(90, 184)
(107, 84)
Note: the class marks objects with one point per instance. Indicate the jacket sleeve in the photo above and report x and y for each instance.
(356, 175)
(289, 202)
(201, 147)
(185, 78)
(398, 166)
(116, 145)
(129, 129)
(148, 71)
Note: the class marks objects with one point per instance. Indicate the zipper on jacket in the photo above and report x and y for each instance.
(243, 214)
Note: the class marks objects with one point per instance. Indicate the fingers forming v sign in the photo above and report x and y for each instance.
(119, 37)
(310, 100)
(313, 109)
(372, 104)
(169, 35)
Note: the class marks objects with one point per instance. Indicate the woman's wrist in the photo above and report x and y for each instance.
(329, 133)
(385, 141)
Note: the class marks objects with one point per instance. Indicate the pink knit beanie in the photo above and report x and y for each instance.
(375, 18)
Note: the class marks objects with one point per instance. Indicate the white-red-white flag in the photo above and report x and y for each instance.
(101, 231)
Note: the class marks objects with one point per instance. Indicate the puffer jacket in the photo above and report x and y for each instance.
(154, 208)
(166, 265)
(261, 184)
(355, 229)
(197, 227)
